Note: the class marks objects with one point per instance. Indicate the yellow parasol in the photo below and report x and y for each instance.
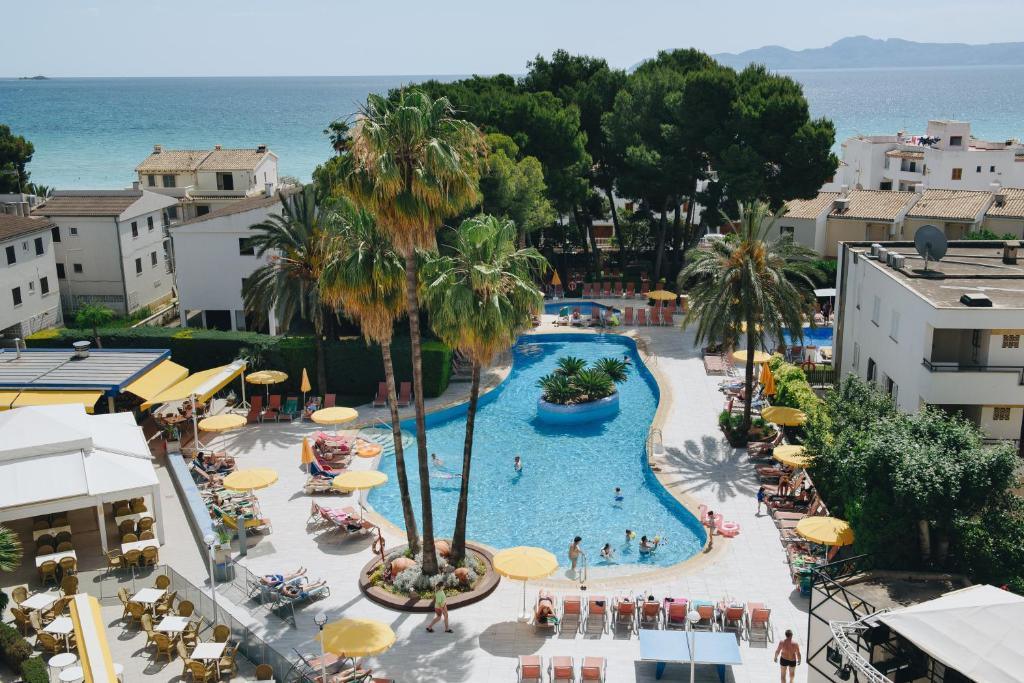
(524, 563)
(662, 295)
(555, 280)
(307, 451)
(767, 380)
(825, 530)
(267, 377)
(305, 387)
(221, 423)
(250, 480)
(356, 637)
(791, 455)
(359, 480)
(334, 416)
(759, 356)
(784, 415)
(369, 450)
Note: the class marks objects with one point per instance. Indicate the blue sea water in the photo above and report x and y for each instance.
(92, 132)
(566, 487)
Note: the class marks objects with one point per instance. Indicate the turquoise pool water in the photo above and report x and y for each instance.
(569, 473)
(813, 336)
(584, 306)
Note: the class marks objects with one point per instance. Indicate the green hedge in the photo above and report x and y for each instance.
(33, 670)
(352, 368)
(791, 386)
(16, 653)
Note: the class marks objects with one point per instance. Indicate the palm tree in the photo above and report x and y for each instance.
(365, 277)
(10, 550)
(296, 242)
(747, 281)
(412, 163)
(94, 316)
(481, 294)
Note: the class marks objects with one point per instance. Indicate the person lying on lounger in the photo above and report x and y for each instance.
(545, 608)
(273, 580)
(301, 589)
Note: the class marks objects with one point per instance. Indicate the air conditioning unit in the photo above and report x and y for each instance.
(875, 248)
(897, 261)
(883, 254)
(975, 300)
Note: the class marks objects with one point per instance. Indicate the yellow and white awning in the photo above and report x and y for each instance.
(91, 636)
(166, 373)
(53, 398)
(202, 384)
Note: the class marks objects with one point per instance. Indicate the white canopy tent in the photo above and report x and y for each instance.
(58, 458)
(979, 631)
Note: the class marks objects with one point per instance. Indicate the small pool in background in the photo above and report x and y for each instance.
(569, 473)
(813, 336)
(584, 306)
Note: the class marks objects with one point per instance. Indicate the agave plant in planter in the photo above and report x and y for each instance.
(615, 368)
(570, 365)
(592, 384)
(573, 382)
(556, 389)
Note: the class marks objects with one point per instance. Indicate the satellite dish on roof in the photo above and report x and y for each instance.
(931, 243)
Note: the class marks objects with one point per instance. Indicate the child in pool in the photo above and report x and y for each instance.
(618, 495)
(607, 553)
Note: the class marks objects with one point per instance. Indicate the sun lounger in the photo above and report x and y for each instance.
(708, 616)
(344, 519)
(734, 619)
(593, 669)
(627, 316)
(675, 614)
(645, 289)
(255, 410)
(641, 317)
(291, 407)
(618, 288)
(666, 318)
(759, 621)
(330, 400)
(547, 625)
(630, 290)
(595, 316)
(656, 316)
(405, 394)
(381, 399)
(625, 614)
(606, 289)
(311, 407)
(319, 468)
(273, 407)
(562, 670)
(596, 620)
(530, 669)
(571, 613)
(714, 364)
(651, 614)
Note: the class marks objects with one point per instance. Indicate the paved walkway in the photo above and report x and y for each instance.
(698, 465)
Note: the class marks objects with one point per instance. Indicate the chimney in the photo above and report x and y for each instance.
(17, 208)
(268, 189)
(261, 148)
(81, 350)
(25, 210)
(919, 188)
(844, 191)
(997, 193)
(217, 147)
(841, 204)
(136, 185)
(1010, 248)
(157, 149)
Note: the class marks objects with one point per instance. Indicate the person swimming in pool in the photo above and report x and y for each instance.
(517, 464)
(618, 496)
(607, 553)
(647, 547)
(630, 535)
(436, 461)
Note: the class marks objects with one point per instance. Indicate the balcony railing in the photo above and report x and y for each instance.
(953, 366)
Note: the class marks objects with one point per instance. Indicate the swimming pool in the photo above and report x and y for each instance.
(569, 473)
(813, 336)
(584, 306)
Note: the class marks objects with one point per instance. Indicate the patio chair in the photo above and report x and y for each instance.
(138, 505)
(21, 620)
(114, 560)
(63, 537)
(596, 620)
(132, 558)
(660, 286)
(45, 539)
(165, 605)
(39, 524)
(627, 316)
(48, 572)
(291, 407)
(706, 612)
(645, 289)
(595, 316)
(226, 665)
(381, 399)
(641, 317)
(593, 669)
(562, 669)
(264, 672)
(618, 289)
(200, 672)
(759, 621)
(273, 408)
(164, 646)
(405, 394)
(130, 537)
(182, 650)
(135, 611)
(675, 615)
(630, 290)
(44, 550)
(587, 292)
(49, 644)
(625, 614)
(185, 608)
(255, 413)
(734, 619)
(571, 612)
(530, 668)
(330, 400)
(221, 633)
(19, 594)
(651, 614)
(65, 546)
(58, 521)
(145, 524)
(69, 584)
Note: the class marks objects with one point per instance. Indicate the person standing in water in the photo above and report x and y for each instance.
(517, 464)
(574, 552)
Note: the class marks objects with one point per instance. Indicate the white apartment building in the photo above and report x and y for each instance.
(29, 296)
(822, 222)
(110, 247)
(213, 260)
(946, 157)
(209, 179)
(949, 337)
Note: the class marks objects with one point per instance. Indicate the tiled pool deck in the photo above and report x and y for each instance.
(698, 467)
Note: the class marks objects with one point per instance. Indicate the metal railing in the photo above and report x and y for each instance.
(954, 366)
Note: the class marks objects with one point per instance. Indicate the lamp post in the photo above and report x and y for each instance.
(692, 617)
(210, 540)
(320, 620)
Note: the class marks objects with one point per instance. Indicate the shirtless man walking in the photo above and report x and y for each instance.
(787, 654)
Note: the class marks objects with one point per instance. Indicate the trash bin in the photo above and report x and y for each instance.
(806, 578)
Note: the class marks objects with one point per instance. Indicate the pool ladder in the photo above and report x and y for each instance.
(655, 445)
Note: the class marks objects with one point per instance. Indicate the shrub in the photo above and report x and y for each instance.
(353, 368)
(33, 670)
(13, 648)
(792, 388)
(573, 382)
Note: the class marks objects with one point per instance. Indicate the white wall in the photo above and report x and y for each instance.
(154, 283)
(95, 247)
(804, 230)
(209, 267)
(37, 310)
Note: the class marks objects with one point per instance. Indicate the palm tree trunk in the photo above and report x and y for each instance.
(659, 247)
(412, 534)
(462, 512)
(615, 228)
(677, 243)
(413, 309)
(321, 363)
(749, 379)
(96, 334)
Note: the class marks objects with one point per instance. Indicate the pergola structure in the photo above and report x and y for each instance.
(57, 458)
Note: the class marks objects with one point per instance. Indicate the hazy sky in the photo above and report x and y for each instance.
(340, 37)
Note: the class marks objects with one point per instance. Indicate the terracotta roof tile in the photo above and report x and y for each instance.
(240, 206)
(173, 160)
(950, 204)
(1013, 206)
(875, 205)
(15, 226)
(232, 159)
(88, 203)
(809, 208)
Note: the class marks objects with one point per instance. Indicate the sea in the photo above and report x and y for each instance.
(92, 132)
